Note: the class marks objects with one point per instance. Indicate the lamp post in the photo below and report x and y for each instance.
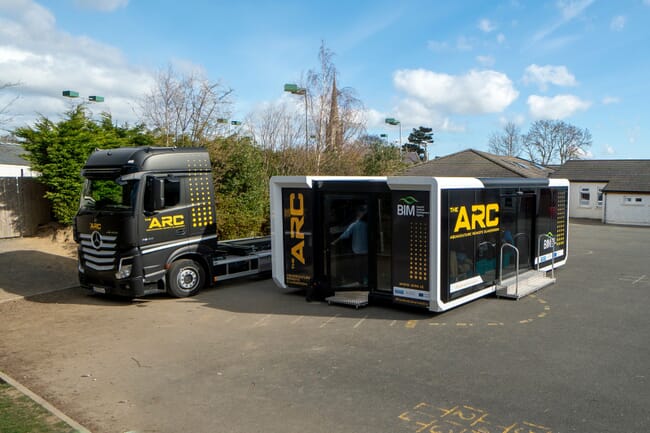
(75, 94)
(301, 91)
(393, 121)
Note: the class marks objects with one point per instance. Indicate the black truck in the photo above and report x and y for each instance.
(147, 224)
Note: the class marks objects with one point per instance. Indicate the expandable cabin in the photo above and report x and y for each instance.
(425, 241)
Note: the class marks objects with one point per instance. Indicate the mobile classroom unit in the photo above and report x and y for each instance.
(432, 242)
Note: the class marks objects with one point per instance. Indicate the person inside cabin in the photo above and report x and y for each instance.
(357, 232)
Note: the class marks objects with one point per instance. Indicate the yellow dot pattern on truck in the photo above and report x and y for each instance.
(200, 193)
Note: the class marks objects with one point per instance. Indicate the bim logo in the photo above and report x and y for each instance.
(408, 207)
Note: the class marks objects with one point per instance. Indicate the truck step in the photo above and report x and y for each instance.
(529, 282)
(355, 299)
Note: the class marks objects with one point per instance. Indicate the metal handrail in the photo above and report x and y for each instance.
(539, 252)
(506, 244)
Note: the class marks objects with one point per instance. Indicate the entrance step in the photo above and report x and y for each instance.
(529, 282)
(356, 299)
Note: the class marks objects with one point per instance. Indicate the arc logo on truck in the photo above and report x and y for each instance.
(165, 222)
(296, 223)
(297, 239)
(475, 219)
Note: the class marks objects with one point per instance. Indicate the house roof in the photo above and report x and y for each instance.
(474, 163)
(11, 154)
(621, 175)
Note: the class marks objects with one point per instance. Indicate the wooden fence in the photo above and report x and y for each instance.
(22, 206)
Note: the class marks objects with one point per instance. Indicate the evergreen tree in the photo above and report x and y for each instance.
(59, 150)
(418, 141)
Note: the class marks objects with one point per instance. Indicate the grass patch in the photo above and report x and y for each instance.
(20, 414)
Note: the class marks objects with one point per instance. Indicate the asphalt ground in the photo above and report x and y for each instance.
(250, 357)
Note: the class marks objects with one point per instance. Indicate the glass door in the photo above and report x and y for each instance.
(517, 228)
(346, 237)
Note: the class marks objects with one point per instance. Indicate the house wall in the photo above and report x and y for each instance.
(582, 208)
(9, 170)
(631, 208)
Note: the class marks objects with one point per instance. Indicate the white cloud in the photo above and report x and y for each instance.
(543, 75)
(486, 25)
(609, 150)
(618, 23)
(485, 60)
(608, 100)
(556, 107)
(501, 38)
(46, 60)
(102, 5)
(476, 92)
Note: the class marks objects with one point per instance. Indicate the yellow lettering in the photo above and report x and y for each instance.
(491, 209)
(463, 220)
(297, 251)
(483, 216)
(154, 224)
(300, 210)
(296, 227)
(166, 222)
(478, 215)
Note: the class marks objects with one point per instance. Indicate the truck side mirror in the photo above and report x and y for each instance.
(155, 194)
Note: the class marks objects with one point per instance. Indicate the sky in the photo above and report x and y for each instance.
(463, 68)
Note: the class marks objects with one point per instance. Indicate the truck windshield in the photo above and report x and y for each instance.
(108, 194)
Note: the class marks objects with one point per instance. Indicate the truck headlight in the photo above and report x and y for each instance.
(124, 270)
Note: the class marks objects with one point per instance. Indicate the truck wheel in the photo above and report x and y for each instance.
(185, 278)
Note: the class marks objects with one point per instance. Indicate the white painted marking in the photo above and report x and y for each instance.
(360, 322)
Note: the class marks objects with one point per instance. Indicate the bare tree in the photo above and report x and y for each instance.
(336, 114)
(573, 142)
(506, 142)
(6, 105)
(186, 109)
(556, 140)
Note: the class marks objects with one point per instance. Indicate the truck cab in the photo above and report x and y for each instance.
(147, 224)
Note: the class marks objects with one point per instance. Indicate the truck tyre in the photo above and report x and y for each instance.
(185, 278)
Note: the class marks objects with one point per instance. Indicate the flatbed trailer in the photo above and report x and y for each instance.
(430, 242)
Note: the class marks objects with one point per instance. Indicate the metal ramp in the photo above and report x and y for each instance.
(524, 284)
(521, 285)
(356, 299)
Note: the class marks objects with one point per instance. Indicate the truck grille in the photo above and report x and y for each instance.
(98, 251)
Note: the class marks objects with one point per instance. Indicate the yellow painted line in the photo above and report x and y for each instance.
(541, 315)
(329, 320)
(526, 321)
(541, 301)
(547, 308)
(411, 324)
(464, 325)
(294, 321)
(393, 323)
(495, 323)
(438, 324)
(360, 322)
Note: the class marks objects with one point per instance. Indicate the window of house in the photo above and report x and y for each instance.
(633, 200)
(600, 197)
(585, 197)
